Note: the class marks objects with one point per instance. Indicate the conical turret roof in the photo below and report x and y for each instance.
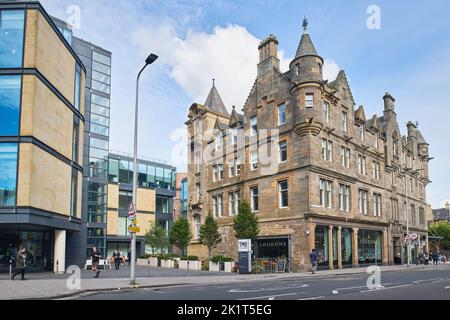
(214, 101)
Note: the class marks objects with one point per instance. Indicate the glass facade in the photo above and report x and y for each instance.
(346, 247)
(8, 174)
(149, 175)
(184, 196)
(321, 245)
(67, 34)
(369, 247)
(10, 93)
(12, 25)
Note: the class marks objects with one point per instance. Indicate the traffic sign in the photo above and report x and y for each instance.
(413, 236)
(134, 229)
(131, 211)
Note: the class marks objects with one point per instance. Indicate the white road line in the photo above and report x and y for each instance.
(359, 287)
(313, 298)
(447, 288)
(271, 296)
(267, 289)
(383, 289)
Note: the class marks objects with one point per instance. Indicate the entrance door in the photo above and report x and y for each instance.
(397, 245)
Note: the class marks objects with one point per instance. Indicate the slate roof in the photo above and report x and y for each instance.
(214, 102)
(441, 214)
(306, 46)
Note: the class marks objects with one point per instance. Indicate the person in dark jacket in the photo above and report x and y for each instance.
(129, 257)
(313, 259)
(117, 258)
(21, 264)
(95, 255)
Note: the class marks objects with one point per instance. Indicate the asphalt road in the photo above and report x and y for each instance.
(404, 285)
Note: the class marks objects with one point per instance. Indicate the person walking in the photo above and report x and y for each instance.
(129, 257)
(313, 259)
(117, 259)
(95, 255)
(21, 264)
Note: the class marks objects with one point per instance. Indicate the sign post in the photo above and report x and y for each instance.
(245, 256)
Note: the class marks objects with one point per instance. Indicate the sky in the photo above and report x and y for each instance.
(407, 55)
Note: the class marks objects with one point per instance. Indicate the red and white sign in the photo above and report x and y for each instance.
(131, 212)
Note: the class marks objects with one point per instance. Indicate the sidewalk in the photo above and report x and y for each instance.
(56, 288)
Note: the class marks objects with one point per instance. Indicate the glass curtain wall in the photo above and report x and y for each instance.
(346, 247)
(321, 245)
(369, 247)
(12, 25)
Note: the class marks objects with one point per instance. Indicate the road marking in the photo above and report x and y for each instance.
(382, 289)
(271, 297)
(447, 288)
(267, 289)
(314, 298)
(359, 287)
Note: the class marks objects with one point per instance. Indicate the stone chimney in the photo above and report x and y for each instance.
(389, 102)
(268, 55)
(447, 205)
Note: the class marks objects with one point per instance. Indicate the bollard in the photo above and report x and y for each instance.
(10, 268)
(57, 266)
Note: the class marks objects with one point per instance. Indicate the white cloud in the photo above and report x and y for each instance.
(330, 70)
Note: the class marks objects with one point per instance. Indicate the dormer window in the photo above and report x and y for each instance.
(326, 112)
(309, 100)
(253, 126)
(218, 141)
(234, 136)
(361, 132)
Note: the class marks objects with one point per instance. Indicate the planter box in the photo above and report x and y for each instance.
(227, 267)
(167, 264)
(153, 261)
(193, 265)
(142, 262)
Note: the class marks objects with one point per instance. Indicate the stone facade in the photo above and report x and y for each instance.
(345, 174)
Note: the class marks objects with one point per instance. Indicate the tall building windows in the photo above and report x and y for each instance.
(413, 214)
(214, 205)
(126, 198)
(231, 168)
(362, 164)
(375, 141)
(231, 204)
(327, 150)
(74, 194)
(220, 205)
(395, 148)
(99, 122)
(376, 170)
(309, 100)
(422, 216)
(220, 171)
(234, 136)
(77, 91)
(253, 126)
(326, 112)
(218, 141)
(253, 160)
(101, 72)
(344, 198)
(325, 193)
(377, 205)
(362, 201)
(8, 174)
(282, 114)
(11, 38)
(238, 166)
(75, 141)
(361, 132)
(283, 152)
(283, 194)
(255, 198)
(345, 157)
(215, 176)
(394, 209)
(344, 121)
(10, 93)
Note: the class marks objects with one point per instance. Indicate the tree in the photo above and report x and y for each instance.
(209, 234)
(441, 230)
(156, 237)
(246, 223)
(180, 235)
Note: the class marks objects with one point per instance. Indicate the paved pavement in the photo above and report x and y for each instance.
(48, 286)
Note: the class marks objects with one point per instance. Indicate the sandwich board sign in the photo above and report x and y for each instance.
(245, 256)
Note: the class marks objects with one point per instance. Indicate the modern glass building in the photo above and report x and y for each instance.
(96, 144)
(156, 190)
(41, 120)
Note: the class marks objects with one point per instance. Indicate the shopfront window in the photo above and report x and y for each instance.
(346, 246)
(11, 38)
(8, 174)
(369, 247)
(37, 245)
(10, 88)
(274, 248)
(322, 245)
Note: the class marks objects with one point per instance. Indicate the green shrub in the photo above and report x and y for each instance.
(165, 256)
(219, 258)
(190, 258)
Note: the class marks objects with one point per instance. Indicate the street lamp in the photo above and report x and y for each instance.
(150, 59)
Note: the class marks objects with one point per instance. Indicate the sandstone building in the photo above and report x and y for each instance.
(336, 180)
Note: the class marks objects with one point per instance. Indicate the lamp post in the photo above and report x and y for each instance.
(150, 59)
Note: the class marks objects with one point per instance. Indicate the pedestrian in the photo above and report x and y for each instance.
(21, 264)
(313, 259)
(116, 256)
(129, 257)
(95, 255)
